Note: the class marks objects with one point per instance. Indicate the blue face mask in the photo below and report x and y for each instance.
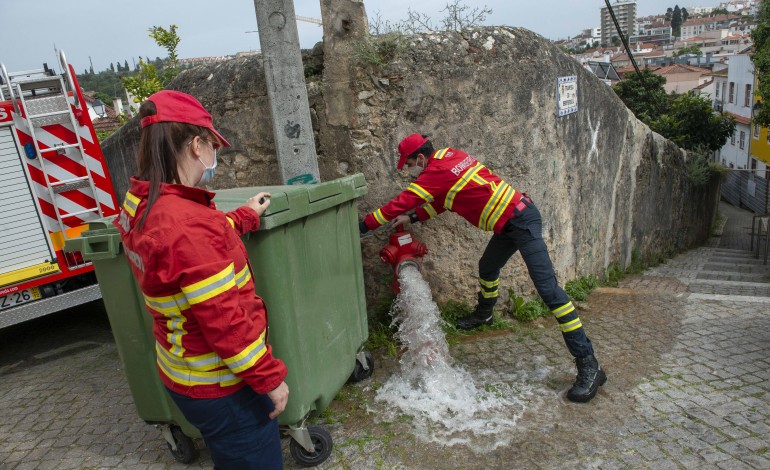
(208, 172)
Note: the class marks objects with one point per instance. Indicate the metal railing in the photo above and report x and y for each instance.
(759, 229)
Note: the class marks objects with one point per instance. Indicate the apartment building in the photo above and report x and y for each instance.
(625, 12)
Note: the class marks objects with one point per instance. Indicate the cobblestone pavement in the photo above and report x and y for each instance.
(684, 344)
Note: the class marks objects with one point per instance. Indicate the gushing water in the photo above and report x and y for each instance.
(443, 398)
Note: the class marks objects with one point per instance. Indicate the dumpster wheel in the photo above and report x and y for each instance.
(322, 441)
(362, 371)
(185, 447)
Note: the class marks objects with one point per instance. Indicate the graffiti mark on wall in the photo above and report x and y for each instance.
(292, 129)
(307, 178)
(594, 136)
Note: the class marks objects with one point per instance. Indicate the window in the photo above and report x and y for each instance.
(747, 97)
(753, 166)
(756, 131)
(717, 89)
(767, 173)
(742, 141)
(732, 139)
(731, 99)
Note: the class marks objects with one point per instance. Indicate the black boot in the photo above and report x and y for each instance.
(482, 315)
(589, 378)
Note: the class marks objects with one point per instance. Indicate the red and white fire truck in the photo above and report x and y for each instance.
(53, 181)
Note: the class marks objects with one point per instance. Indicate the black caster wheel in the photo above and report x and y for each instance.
(185, 448)
(359, 373)
(322, 441)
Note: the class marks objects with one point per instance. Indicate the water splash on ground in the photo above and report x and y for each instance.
(445, 400)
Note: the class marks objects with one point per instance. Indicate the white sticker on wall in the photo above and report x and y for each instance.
(567, 95)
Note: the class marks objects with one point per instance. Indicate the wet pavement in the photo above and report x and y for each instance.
(685, 346)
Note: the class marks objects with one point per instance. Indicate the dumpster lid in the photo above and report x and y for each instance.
(294, 202)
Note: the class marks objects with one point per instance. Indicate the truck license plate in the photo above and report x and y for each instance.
(19, 297)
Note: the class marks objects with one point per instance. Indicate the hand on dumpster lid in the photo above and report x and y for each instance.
(259, 203)
(279, 396)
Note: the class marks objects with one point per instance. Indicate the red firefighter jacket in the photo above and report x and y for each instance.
(454, 181)
(209, 324)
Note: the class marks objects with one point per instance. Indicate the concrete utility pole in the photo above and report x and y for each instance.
(287, 92)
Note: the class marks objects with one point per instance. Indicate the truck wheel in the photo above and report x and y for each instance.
(359, 373)
(322, 441)
(185, 448)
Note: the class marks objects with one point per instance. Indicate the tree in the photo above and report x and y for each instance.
(643, 94)
(676, 22)
(685, 15)
(689, 50)
(691, 122)
(112, 66)
(457, 17)
(719, 11)
(148, 81)
(686, 119)
(761, 58)
(669, 13)
(125, 66)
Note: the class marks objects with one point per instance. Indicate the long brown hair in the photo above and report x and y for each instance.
(161, 147)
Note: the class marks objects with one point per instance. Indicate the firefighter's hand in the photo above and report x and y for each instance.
(259, 203)
(400, 220)
(279, 396)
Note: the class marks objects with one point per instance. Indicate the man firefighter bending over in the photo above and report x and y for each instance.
(450, 179)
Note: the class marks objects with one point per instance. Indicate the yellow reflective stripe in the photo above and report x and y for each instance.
(506, 199)
(186, 376)
(131, 203)
(379, 217)
(202, 363)
(571, 325)
(489, 284)
(493, 202)
(440, 154)
(490, 294)
(249, 356)
(431, 211)
(171, 307)
(563, 310)
(450, 197)
(418, 190)
(211, 286)
(230, 221)
(242, 278)
(481, 181)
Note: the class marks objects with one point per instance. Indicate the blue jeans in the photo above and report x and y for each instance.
(523, 233)
(236, 429)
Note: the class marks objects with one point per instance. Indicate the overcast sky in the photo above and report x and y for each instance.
(106, 31)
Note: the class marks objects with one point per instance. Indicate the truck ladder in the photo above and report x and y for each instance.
(44, 100)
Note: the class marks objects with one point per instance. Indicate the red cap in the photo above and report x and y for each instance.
(408, 146)
(175, 106)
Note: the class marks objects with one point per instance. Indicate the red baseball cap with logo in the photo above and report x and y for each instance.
(408, 146)
(175, 106)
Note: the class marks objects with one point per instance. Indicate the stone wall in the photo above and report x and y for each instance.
(606, 185)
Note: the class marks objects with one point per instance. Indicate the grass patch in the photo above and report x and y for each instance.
(579, 289)
(380, 50)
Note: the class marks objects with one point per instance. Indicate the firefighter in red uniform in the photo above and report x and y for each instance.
(210, 326)
(450, 179)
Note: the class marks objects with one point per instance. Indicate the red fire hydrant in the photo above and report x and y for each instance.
(402, 250)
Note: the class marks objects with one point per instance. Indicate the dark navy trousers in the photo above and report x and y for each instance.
(523, 233)
(236, 429)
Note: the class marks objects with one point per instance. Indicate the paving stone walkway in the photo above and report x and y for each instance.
(685, 346)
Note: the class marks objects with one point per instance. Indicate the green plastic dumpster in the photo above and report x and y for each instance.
(306, 261)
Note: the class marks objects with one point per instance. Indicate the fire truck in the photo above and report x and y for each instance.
(53, 181)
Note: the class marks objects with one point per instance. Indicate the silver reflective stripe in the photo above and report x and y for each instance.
(202, 364)
(188, 377)
(245, 360)
(229, 277)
